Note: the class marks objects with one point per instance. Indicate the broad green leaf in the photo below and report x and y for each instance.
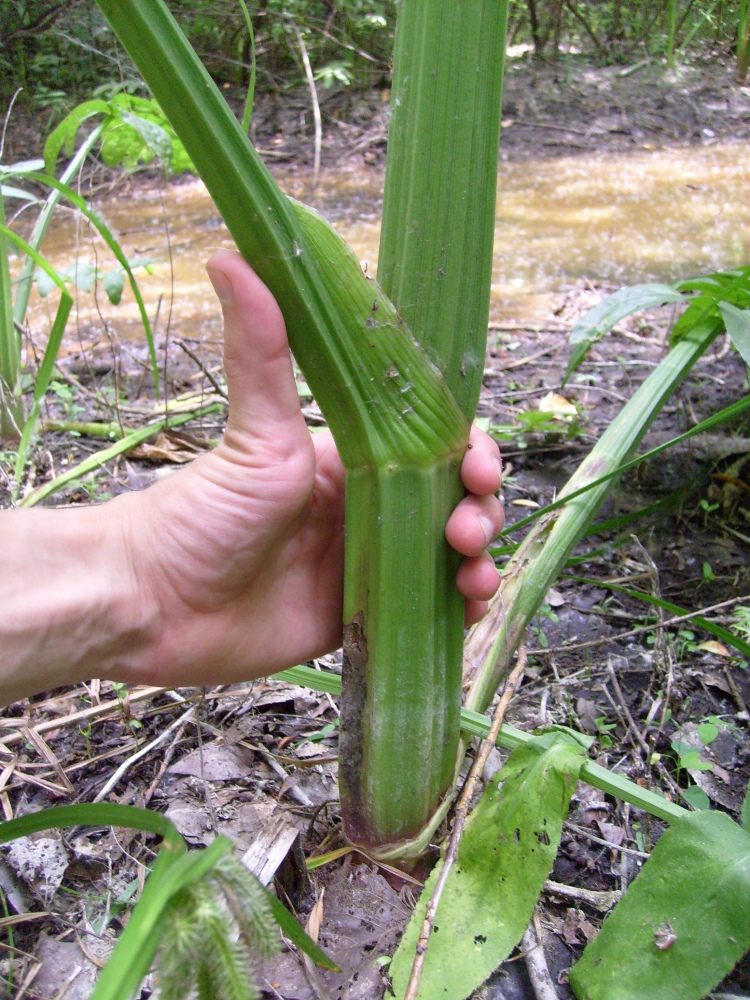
(82, 274)
(683, 923)
(66, 131)
(153, 135)
(114, 282)
(694, 795)
(44, 284)
(738, 327)
(506, 853)
(594, 324)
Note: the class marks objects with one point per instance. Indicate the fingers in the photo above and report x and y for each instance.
(481, 469)
(475, 612)
(476, 522)
(260, 377)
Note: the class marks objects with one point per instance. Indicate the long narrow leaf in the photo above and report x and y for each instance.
(297, 934)
(43, 379)
(722, 417)
(597, 322)
(42, 224)
(93, 814)
(247, 113)
(116, 249)
(674, 609)
(127, 443)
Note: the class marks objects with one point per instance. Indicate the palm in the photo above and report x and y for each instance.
(241, 554)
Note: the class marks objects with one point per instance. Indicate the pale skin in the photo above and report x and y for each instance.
(225, 571)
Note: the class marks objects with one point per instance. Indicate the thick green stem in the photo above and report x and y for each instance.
(403, 637)
(436, 243)
(403, 616)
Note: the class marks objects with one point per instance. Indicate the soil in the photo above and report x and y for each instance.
(258, 761)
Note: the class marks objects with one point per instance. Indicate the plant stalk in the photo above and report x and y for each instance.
(540, 557)
(403, 632)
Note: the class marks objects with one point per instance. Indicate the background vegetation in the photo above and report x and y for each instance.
(350, 41)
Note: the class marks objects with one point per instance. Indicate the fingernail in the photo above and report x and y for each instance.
(499, 467)
(222, 286)
(488, 528)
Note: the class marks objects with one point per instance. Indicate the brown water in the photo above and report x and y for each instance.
(654, 214)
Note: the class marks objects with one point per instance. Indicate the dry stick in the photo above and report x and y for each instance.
(107, 788)
(636, 631)
(674, 787)
(75, 717)
(205, 371)
(536, 963)
(601, 900)
(462, 811)
(316, 107)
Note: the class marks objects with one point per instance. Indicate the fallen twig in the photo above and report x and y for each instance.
(461, 814)
(126, 764)
(536, 963)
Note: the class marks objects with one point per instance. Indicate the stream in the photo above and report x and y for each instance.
(654, 214)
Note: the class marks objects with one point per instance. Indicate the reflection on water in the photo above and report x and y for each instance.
(655, 214)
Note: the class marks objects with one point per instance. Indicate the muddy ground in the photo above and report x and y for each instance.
(258, 761)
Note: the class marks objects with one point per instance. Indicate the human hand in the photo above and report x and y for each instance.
(240, 556)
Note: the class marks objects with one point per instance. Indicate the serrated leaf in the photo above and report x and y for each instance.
(66, 131)
(683, 923)
(738, 327)
(507, 851)
(594, 324)
(114, 282)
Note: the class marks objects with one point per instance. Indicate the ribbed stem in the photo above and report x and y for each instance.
(435, 258)
(403, 616)
(345, 334)
(403, 637)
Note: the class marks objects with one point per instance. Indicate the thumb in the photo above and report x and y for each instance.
(258, 366)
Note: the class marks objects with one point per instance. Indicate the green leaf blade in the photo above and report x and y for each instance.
(738, 327)
(695, 888)
(597, 322)
(506, 853)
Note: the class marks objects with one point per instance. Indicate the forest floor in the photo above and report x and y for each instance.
(257, 762)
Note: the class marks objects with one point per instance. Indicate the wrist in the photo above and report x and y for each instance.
(64, 619)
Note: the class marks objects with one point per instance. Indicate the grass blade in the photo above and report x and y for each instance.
(116, 249)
